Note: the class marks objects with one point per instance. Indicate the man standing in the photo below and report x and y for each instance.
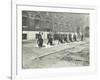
(40, 41)
(70, 37)
(74, 37)
(50, 40)
(65, 38)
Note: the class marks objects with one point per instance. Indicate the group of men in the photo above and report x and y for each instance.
(61, 39)
(40, 40)
(71, 38)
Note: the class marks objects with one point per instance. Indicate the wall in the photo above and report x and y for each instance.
(31, 35)
(54, 21)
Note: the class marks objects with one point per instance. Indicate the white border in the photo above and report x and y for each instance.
(18, 73)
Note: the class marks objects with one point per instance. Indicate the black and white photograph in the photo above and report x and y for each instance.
(55, 39)
(50, 40)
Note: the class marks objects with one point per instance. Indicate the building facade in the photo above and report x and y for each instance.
(34, 22)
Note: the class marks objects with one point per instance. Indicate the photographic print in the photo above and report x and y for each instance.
(50, 40)
(55, 39)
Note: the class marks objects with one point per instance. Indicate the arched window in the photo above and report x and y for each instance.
(48, 24)
(37, 22)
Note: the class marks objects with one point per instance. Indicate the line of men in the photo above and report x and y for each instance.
(61, 38)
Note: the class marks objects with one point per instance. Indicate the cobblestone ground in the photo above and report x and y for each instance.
(77, 55)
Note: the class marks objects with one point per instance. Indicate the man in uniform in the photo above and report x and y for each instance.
(65, 38)
(74, 37)
(40, 41)
(50, 40)
(70, 37)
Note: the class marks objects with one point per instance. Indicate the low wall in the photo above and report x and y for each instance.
(32, 34)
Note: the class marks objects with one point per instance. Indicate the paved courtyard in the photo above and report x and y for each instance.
(60, 55)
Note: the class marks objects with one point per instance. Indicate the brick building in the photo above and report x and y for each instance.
(34, 22)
